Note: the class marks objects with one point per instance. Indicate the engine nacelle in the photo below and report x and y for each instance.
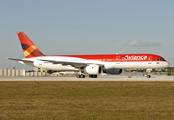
(92, 69)
(38, 63)
(113, 71)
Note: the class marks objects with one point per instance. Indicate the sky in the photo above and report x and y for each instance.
(70, 27)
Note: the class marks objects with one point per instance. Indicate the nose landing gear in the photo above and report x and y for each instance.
(148, 76)
(148, 73)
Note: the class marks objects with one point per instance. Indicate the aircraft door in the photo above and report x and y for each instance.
(150, 60)
(117, 59)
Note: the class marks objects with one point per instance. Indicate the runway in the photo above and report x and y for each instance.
(100, 78)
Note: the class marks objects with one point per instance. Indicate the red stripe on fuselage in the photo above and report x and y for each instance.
(119, 57)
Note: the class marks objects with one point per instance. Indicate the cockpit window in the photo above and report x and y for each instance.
(161, 59)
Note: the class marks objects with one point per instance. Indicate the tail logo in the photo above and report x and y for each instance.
(28, 49)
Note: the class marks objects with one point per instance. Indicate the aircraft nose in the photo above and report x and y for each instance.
(167, 64)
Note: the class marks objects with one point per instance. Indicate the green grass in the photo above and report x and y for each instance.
(86, 100)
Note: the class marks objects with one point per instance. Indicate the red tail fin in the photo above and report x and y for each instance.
(29, 48)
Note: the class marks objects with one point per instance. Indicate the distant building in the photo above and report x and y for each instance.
(40, 69)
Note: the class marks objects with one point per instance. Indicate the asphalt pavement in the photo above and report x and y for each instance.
(100, 78)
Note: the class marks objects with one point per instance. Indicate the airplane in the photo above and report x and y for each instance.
(92, 65)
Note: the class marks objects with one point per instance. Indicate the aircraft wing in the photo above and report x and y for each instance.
(20, 60)
(73, 64)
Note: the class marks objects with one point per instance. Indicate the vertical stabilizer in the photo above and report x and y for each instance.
(29, 48)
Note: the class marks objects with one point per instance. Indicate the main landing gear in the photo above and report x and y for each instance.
(83, 76)
(80, 76)
(93, 76)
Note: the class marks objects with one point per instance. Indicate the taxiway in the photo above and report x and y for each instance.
(100, 78)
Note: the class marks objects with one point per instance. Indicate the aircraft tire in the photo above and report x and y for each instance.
(93, 76)
(148, 76)
(82, 76)
(78, 76)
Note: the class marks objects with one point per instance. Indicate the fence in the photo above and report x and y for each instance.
(13, 72)
(16, 72)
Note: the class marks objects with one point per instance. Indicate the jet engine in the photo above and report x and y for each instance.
(92, 69)
(38, 63)
(113, 71)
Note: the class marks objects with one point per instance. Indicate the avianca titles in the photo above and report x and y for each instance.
(87, 64)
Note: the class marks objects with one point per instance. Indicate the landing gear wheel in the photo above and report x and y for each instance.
(148, 76)
(80, 76)
(93, 76)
